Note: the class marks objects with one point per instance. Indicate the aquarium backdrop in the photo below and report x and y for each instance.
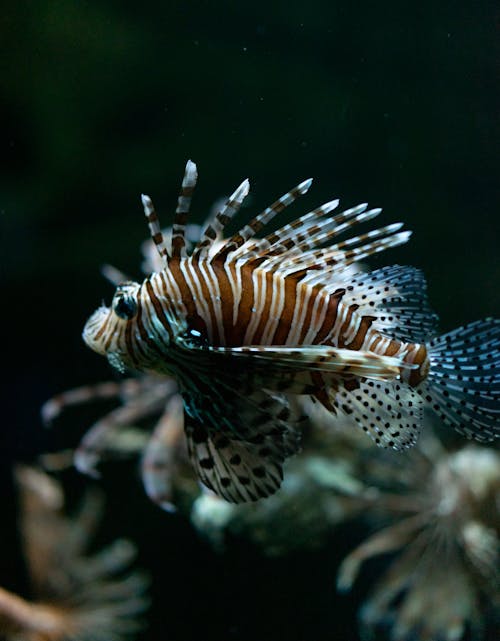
(388, 103)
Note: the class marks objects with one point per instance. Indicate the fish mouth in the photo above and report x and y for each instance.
(94, 330)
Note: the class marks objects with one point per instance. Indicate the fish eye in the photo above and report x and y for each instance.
(125, 307)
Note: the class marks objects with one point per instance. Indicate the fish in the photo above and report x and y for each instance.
(248, 324)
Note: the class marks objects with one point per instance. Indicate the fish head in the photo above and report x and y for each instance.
(110, 331)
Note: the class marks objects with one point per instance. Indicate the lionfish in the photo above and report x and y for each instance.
(247, 324)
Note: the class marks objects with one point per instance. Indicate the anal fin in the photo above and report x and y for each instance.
(389, 411)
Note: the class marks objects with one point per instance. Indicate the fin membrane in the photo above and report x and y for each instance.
(463, 386)
(238, 441)
(390, 412)
(396, 296)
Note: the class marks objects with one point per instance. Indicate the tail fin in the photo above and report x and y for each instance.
(463, 385)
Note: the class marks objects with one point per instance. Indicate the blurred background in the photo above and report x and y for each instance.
(391, 103)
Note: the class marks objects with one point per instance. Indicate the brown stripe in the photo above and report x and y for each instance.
(330, 317)
(392, 348)
(359, 337)
(227, 300)
(419, 358)
(285, 322)
(246, 303)
(346, 324)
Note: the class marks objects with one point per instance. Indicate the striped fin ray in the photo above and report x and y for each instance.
(154, 228)
(216, 225)
(272, 361)
(283, 239)
(345, 253)
(182, 211)
(320, 233)
(256, 224)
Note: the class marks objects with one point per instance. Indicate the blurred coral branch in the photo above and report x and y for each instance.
(78, 597)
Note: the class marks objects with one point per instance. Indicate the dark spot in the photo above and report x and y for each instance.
(225, 481)
(235, 460)
(259, 471)
(207, 463)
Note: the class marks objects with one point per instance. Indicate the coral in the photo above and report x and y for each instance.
(77, 596)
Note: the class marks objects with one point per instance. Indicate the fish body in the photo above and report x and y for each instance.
(246, 324)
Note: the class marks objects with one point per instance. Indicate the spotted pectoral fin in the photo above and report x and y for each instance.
(236, 470)
(238, 441)
(391, 412)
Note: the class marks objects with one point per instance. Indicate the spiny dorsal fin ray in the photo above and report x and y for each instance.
(335, 227)
(319, 234)
(182, 211)
(154, 228)
(256, 224)
(216, 224)
(316, 234)
(284, 238)
(335, 256)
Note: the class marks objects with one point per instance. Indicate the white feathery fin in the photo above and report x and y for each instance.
(463, 386)
(182, 211)
(216, 224)
(154, 227)
(256, 224)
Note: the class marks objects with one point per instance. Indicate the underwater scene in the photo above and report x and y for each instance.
(251, 280)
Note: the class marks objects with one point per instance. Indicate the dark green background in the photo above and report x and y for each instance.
(391, 103)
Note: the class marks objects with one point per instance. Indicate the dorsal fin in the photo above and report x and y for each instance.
(215, 225)
(182, 211)
(256, 224)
